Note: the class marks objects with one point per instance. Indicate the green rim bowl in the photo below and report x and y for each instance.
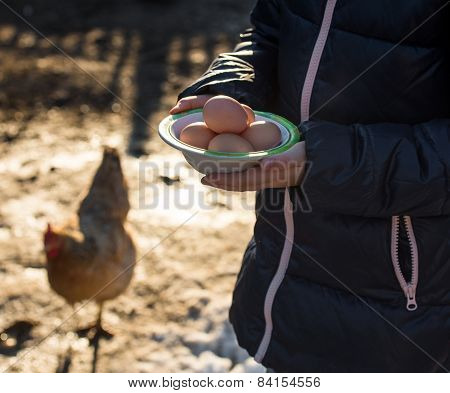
(207, 161)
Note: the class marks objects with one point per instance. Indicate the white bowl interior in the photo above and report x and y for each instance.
(182, 122)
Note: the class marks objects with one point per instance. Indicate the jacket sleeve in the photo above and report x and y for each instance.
(379, 170)
(247, 74)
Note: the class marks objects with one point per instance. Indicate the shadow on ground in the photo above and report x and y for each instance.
(146, 33)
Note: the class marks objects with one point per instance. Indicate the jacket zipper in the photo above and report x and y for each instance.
(409, 288)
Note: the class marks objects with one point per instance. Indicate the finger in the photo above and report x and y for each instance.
(249, 180)
(189, 103)
(181, 106)
(233, 187)
(284, 169)
(201, 100)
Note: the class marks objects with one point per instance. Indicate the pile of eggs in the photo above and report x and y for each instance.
(230, 127)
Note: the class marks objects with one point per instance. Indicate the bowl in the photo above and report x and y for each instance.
(207, 161)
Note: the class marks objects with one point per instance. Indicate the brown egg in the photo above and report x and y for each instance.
(230, 143)
(224, 114)
(262, 135)
(197, 135)
(250, 114)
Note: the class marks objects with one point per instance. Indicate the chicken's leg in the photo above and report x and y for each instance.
(96, 331)
(100, 332)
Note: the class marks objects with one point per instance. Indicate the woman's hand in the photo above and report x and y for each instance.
(284, 170)
(188, 103)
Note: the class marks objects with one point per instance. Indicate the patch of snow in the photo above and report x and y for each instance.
(249, 366)
(208, 362)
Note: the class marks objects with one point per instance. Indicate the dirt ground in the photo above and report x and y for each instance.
(57, 108)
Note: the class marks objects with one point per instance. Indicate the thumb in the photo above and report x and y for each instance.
(295, 156)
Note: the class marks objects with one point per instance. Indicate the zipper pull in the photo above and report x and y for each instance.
(411, 304)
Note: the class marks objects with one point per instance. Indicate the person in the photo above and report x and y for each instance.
(349, 266)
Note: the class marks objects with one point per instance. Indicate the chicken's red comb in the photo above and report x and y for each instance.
(49, 233)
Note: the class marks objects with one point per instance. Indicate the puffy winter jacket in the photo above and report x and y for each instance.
(349, 272)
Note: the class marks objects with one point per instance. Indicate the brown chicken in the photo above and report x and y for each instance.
(92, 257)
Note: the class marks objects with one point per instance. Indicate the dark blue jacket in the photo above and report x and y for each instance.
(371, 228)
